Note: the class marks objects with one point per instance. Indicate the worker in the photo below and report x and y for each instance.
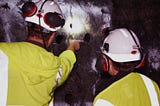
(123, 54)
(28, 71)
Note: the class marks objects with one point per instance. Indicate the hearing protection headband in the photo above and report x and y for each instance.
(106, 61)
(51, 19)
(143, 55)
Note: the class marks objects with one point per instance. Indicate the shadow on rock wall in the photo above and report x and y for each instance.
(142, 17)
(79, 89)
(139, 15)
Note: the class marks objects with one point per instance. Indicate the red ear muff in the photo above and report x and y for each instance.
(29, 9)
(105, 63)
(105, 31)
(142, 63)
(53, 20)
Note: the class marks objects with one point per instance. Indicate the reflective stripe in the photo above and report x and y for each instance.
(101, 102)
(58, 77)
(59, 74)
(151, 91)
(51, 103)
(3, 78)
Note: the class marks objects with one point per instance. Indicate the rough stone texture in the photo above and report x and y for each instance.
(142, 16)
(139, 15)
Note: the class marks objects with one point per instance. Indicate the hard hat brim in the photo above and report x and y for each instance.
(35, 20)
(123, 57)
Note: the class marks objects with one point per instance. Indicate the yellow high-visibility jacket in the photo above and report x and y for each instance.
(33, 72)
(132, 90)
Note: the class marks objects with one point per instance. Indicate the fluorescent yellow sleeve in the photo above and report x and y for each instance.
(33, 71)
(67, 61)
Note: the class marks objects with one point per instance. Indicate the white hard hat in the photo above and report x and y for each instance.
(46, 13)
(122, 45)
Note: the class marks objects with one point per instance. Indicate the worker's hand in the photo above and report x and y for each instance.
(74, 45)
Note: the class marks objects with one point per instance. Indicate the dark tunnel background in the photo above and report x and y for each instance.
(142, 16)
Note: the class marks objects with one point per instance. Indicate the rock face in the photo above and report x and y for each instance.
(142, 16)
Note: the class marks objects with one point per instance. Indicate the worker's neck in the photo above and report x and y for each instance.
(36, 39)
